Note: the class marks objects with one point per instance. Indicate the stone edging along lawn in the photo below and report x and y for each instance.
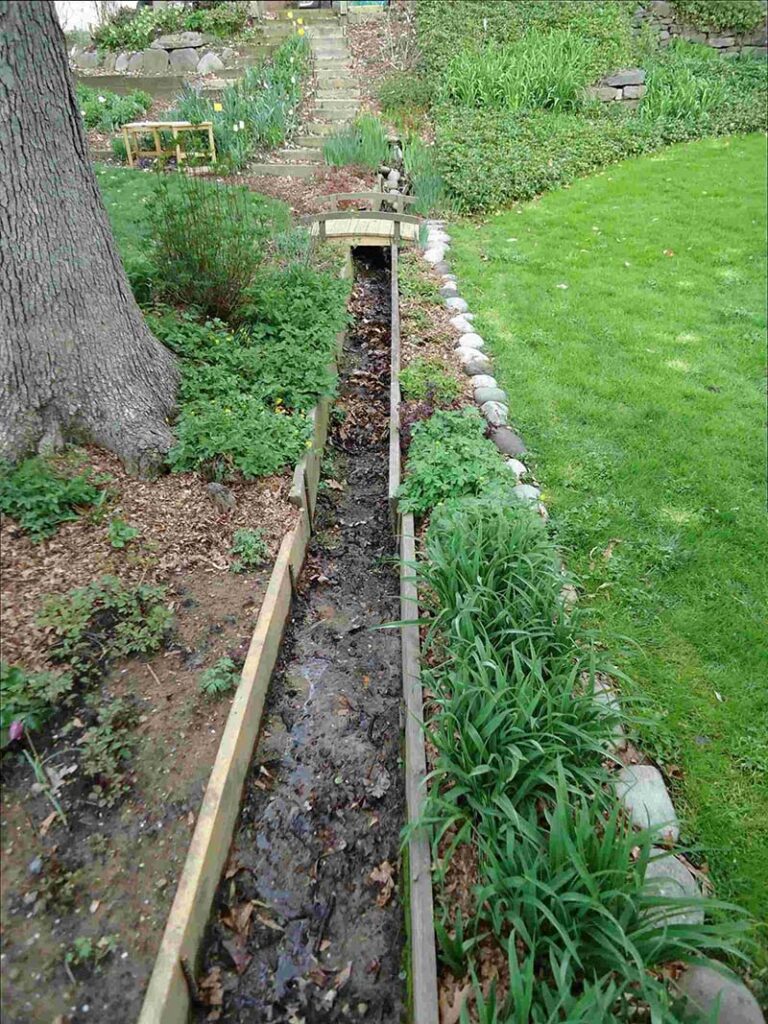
(639, 785)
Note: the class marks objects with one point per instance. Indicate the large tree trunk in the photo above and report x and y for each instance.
(78, 361)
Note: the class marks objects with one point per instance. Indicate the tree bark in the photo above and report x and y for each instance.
(77, 361)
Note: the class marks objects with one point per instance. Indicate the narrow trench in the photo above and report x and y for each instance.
(324, 803)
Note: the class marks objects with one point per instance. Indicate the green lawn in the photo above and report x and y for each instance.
(627, 320)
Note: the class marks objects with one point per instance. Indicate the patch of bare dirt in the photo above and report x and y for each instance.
(308, 195)
(382, 46)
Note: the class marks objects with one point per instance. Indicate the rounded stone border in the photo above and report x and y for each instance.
(639, 787)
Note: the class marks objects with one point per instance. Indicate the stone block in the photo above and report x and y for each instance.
(669, 877)
(661, 9)
(483, 395)
(184, 60)
(641, 789)
(703, 986)
(471, 341)
(136, 62)
(721, 42)
(209, 63)
(603, 93)
(181, 41)
(517, 467)
(434, 255)
(87, 59)
(526, 492)
(630, 104)
(462, 324)
(631, 76)
(442, 267)
(457, 304)
(228, 54)
(110, 62)
(508, 442)
(155, 62)
(121, 62)
(634, 92)
(495, 413)
(474, 362)
(449, 289)
(485, 381)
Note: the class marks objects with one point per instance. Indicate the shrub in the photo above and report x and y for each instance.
(449, 457)
(106, 747)
(105, 620)
(734, 15)
(427, 184)
(106, 111)
(29, 697)
(135, 30)
(40, 498)
(258, 111)
(403, 93)
(425, 378)
(249, 550)
(208, 241)
(364, 143)
(219, 679)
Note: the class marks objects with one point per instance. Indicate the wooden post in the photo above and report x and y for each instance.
(212, 143)
(156, 137)
(178, 147)
(127, 141)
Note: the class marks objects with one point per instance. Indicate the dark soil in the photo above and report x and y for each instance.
(307, 923)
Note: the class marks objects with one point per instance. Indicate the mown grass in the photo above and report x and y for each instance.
(627, 320)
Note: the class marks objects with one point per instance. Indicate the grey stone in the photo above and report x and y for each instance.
(662, 9)
(87, 59)
(449, 289)
(630, 76)
(702, 986)
(228, 54)
(474, 362)
(517, 467)
(121, 63)
(209, 63)
(434, 255)
(603, 93)
(221, 496)
(641, 788)
(720, 42)
(483, 395)
(606, 696)
(35, 866)
(110, 62)
(669, 877)
(471, 340)
(438, 237)
(442, 267)
(181, 41)
(393, 178)
(155, 62)
(526, 492)
(184, 60)
(508, 442)
(458, 304)
(449, 277)
(462, 324)
(136, 62)
(634, 92)
(495, 413)
(485, 381)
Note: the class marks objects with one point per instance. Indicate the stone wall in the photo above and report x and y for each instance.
(660, 16)
(627, 87)
(179, 53)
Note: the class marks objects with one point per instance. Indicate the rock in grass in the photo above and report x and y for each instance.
(434, 255)
(442, 267)
(641, 789)
(221, 496)
(508, 442)
(495, 413)
(667, 876)
(702, 986)
(483, 380)
(462, 324)
(483, 395)
(449, 277)
(473, 362)
(471, 340)
(449, 289)
(606, 696)
(458, 304)
(526, 492)
(517, 467)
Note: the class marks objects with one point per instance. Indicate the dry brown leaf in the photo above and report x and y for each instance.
(238, 952)
(238, 918)
(450, 1013)
(212, 993)
(46, 824)
(342, 977)
(383, 876)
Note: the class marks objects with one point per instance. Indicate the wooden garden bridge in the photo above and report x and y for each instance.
(372, 226)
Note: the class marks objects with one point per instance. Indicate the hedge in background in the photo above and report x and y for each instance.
(734, 15)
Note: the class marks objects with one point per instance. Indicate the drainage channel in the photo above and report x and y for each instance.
(307, 920)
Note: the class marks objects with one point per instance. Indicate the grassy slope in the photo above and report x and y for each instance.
(640, 390)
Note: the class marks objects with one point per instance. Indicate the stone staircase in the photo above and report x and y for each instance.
(335, 102)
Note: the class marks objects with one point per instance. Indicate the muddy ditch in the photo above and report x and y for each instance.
(307, 920)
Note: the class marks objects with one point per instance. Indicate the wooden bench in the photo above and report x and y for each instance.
(134, 130)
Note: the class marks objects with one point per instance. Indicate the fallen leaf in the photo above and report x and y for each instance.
(450, 1013)
(237, 919)
(238, 953)
(342, 977)
(269, 923)
(212, 993)
(669, 252)
(383, 876)
(95, 904)
(47, 823)
(719, 696)
(608, 551)
(335, 485)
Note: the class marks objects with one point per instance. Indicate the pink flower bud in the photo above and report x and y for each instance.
(16, 730)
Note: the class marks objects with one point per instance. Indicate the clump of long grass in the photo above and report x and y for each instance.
(426, 180)
(542, 69)
(520, 774)
(364, 144)
(257, 112)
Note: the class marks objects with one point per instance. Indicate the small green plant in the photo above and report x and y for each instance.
(88, 952)
(428, 378)
(427, 184)
(106, 111)
(105, 620)
(449, 457)
(40, 497)
(29, 698)
(735, 15)
(363, 144)
(121, 533)
(249, 551)
(219, 679)
(107, 748)
(403, 93)
(135, 30)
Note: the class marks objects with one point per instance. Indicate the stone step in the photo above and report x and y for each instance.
(304, 155)
(323, 128)
(337, 94)
(335, 80)
(330, 52)
(282, 170)
(335, 106)
(313, 15)
(335, 64)
(314, 142)
(326, 32)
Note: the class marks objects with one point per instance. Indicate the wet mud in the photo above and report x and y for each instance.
(307, 922)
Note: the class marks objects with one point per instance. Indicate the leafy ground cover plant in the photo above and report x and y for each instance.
(427, 377)
(259, 111)
(135, 30)
(107, 748)
(41, 497)
(249, 550)
(734, 15)
(106, 111)
(219, 679)
(642, 420)
(121, 533)
(27, 699)
(105, 620)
